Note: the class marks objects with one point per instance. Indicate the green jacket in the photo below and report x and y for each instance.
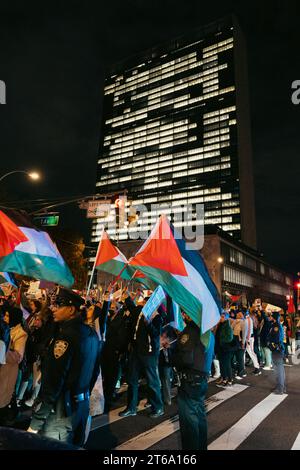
(226, 333)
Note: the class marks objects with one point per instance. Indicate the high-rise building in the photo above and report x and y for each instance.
(176, 130)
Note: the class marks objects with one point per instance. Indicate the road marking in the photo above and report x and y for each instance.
(296, 445)
(113, 416)
(235, 435)
(161, 431)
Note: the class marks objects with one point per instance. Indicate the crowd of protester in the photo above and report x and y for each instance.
(132, 349)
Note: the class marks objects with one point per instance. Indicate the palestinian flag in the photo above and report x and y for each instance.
(140, 277)
(110, 259)
(29, 251)
(10, 235)
(166, 259)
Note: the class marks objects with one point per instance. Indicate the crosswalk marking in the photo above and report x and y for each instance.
(296, 445)
(113, 416)
(161, 431)
(234, 436)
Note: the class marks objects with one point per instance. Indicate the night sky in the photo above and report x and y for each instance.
(53, 56)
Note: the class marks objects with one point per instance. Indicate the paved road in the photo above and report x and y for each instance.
(246, 416)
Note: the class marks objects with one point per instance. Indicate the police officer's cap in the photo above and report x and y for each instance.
(66, 297)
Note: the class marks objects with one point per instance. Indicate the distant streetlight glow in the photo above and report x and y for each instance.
(32, 175)
(220, 260)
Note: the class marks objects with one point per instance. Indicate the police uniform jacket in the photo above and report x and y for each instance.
(275, 338)
(144, 337)
(68, 367)
(190, 355)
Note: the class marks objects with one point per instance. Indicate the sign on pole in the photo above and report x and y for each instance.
(99, 208)
(47, 220)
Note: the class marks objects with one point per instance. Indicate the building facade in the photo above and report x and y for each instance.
(239, 270)
(176, 131)
(236, 269)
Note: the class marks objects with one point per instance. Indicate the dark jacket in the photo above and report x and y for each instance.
(275, 338)
(266, 325)
(144, 337)
(225, 341)
(190, 354)
(117, 332)
(67, 368)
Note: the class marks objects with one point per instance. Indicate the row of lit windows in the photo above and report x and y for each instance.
(146, 129)
(219, 111)
(224, 117)
(118, 121)
(217, 45)
(172, 101)
(159, 167)
(237, 277)
(224, 130)
(168, 72)
(208, 148)
(165, 160)
(204, 73)
(116, 153)
(216, 139)
(150, 139)
(171, 87)
(110, 88)
(217, 51)
(155, 213)
(124, 234)
(240, 258)
(171, 63)
(175, 174)
(118, 160)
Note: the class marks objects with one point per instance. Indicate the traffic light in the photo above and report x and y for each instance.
(119, 202)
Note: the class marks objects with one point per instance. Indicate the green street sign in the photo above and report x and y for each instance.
(47, 220)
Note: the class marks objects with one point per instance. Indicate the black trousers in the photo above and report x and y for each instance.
(192, 415)
(149, 364)
(110, 371)
(69, 429)
(239, 355)
(225, 358)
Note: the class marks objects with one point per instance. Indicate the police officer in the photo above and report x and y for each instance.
(276, 345)
(67, 372)
(193, 363)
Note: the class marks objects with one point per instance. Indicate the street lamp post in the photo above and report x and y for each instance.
(32, 174)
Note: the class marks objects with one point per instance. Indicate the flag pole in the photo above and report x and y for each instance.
(93, 270)
(119, 275)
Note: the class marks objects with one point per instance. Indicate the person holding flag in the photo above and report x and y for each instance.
(145, 346)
